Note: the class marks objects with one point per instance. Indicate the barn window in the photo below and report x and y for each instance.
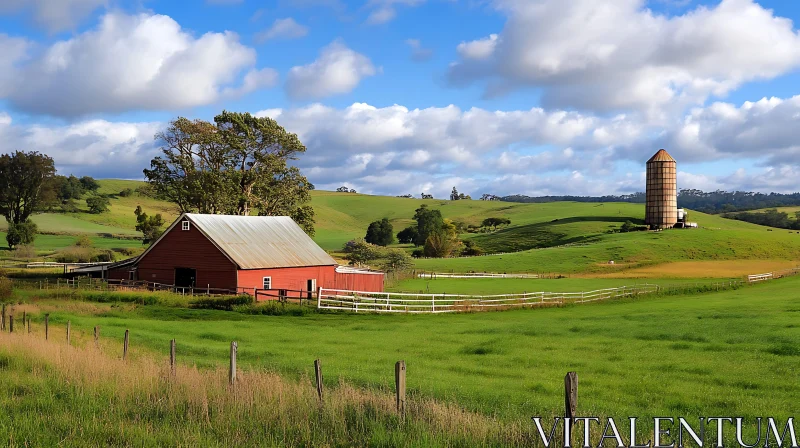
(267, 282)
(185, 225)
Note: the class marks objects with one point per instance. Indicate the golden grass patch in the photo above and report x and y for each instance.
(702, 269)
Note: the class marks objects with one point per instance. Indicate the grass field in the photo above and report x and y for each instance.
(712, 354)
(530, 239)
(791, 211)
(480, 286)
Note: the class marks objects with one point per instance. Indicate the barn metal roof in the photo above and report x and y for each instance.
(258, 242)
(661, 156)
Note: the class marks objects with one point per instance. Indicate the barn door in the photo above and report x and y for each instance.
(311, 288)
(185, 277)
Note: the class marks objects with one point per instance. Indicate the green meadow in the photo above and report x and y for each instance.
(722, 353)
(561, 237)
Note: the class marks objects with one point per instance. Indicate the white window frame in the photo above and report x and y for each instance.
(267, 283)
(185, 225)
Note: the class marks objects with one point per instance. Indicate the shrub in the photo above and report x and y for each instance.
(25, 252)
(75, 255)
(360, 252)
(69, 206)
(104, 256)
(222, 303)
(471, 249)
(6, 288)
(84, 241)
(397, 260)
(127, 251)
(98, 204)
(418, 253)
(408, 235)
(274, 309)
(126, 192)
(22, 233)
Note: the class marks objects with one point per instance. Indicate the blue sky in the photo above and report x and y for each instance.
(405, 96)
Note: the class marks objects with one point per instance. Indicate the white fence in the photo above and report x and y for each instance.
(759, 277)
(389, 302)
(435, 275)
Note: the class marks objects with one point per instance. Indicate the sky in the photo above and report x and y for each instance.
(535, 97)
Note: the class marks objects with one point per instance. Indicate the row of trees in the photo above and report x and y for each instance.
(771, 218)
(708, 202)
(361, 253)
(237, 165)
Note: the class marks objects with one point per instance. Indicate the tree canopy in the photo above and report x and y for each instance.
(25, 181)
(150, 226)
(238, 165)
(380, 233)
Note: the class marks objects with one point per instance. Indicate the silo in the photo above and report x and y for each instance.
(661, 210)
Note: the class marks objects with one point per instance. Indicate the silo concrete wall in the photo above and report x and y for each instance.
(661, 208)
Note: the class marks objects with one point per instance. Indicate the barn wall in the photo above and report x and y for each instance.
(187, 249)
(296, 279)
(119, 274)
(358, 282)
(290, 279)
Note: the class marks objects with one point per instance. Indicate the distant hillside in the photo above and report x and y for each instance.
(587, 227)
(707, 202)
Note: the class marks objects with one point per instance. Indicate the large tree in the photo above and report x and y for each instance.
(237, 165)
(25, 181)
(380, 233)
(428, 222)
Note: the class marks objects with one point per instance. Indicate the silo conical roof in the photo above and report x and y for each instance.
(661, 156)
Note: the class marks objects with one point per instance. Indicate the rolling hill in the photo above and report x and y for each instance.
(529, 242)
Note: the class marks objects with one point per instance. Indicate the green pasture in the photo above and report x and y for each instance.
(727, 353)
(67, 224)
(791, 211)
(50, 243)
(636, 249)
(532, 243)
(482, 286)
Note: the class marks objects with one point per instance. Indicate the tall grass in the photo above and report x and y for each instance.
(79, 396)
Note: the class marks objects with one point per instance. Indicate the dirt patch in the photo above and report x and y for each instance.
(701, 269)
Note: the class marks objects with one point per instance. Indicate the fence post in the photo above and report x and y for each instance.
(234, 349)
(46, 326)
(97, 336)
(11, 323)
(125, 346)
(3, 324)
(400, 385)
(69, 325)
(172, 357)
(24, 319)
(570, 405)
(29, 325)
(318, 376)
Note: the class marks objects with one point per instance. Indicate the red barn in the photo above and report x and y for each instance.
(246, 253)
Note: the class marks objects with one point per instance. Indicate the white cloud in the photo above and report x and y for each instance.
(765, 129)
(96, 147)
(135, 62)
(620, 55)
(53, 15)
(283, 29)
(338, 70)
(478, 49)
(384, 11)
(418, 52)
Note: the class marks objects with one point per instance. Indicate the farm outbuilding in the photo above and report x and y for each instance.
(245, 253)
(661, 209)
